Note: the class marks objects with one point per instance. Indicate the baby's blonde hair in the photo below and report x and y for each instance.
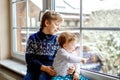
(66, 37)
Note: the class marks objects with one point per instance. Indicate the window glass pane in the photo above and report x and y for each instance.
(20, 8)
(17, 0)
(25, 22)
(20, 40)
(35, 6)
(71, 12)
(19, 26)
(101, 13)
(102, 48)
(71, 21)
(67, 6)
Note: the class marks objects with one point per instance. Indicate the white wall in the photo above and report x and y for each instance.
(4, 29)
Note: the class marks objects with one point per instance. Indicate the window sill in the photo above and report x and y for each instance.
(15, 66)
(20, 68)
(97, 75)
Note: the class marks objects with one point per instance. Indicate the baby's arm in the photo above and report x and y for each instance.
(71, 58)
(77, 68)
(77, 72)
(77, 53)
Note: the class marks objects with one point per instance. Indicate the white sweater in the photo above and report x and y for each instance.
(64, 60)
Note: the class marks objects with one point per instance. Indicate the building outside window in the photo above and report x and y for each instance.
(25, 21)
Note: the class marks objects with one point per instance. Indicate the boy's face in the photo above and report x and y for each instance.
(53, 27)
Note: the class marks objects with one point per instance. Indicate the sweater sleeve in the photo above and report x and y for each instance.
(68, 57)
(30, 55)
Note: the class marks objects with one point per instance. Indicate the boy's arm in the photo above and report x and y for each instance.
(30, 55)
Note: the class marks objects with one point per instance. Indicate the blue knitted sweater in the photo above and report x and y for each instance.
(40, 49)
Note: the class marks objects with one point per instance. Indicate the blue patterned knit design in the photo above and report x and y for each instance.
(40, 49)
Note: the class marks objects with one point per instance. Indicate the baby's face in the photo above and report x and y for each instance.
(71, 46)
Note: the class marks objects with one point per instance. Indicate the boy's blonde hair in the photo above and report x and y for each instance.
(50, 15)
(66, 37)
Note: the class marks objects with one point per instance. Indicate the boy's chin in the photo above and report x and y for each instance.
(53, 33)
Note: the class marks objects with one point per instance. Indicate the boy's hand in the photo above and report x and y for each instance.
(49, 70)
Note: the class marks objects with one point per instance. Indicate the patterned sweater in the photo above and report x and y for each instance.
(40, 49)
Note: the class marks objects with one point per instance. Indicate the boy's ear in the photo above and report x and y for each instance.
(47, 22)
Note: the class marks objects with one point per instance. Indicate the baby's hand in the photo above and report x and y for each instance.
(83, 60)
(71, 69)
(76, 76)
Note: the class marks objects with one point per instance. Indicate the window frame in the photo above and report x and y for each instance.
(15, 54)
(46, 5)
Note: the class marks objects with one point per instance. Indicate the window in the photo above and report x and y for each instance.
(25, 20)
(97, 23)
(100, 32)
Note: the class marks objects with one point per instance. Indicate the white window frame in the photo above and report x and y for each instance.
(47, 4)
(15, 54)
